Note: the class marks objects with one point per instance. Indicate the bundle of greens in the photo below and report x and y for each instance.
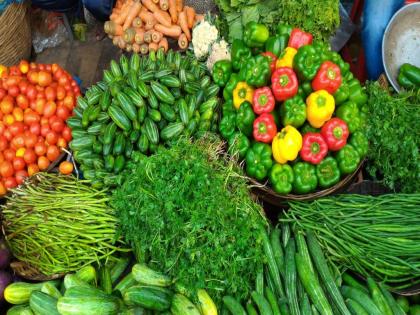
(320, 18)
(394, 138)
(58, 224)
(189, 214)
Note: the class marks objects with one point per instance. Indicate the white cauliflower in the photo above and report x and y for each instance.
(219, 51)
(203, 36)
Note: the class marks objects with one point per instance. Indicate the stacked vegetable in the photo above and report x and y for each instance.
(142, 26)
(35, 101)
(141, 103)
(291, 99)
(102, 291)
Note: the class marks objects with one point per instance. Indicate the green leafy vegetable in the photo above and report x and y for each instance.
(189, 214)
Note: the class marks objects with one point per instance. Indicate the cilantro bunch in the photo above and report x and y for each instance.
(189, 214)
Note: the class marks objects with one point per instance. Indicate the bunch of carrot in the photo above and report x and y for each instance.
(144, 25)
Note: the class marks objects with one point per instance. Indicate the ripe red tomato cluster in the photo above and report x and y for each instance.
(35, 102)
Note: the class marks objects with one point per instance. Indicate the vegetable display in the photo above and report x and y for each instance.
(409, 76)
(296, 102)
(146, 25)
(58, 224)
(35, 101)
(141, 104)
(374, 236)
(189, 214)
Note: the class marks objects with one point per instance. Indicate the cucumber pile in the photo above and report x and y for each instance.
(141, 103)
(104, 291)
(299, 281)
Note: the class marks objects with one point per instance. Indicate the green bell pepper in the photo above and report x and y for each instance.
(284, 29)
(255, 34)
(293, 112)
(228, 108)
(323, 49)
(239, 53)
(348, 159)
(305, 178)
(239, 144)
(245, 118)
(227, 126)
(308, 128)
(344, 66)
(307, 62)
(230, 86)
(356, 92)
(281, 178)
(222, 70)
(276, 44)
(259, 160)
(409, 76)
(258, 71)
(328, 172)
(360, 142)
(349, 112)
(342, 94)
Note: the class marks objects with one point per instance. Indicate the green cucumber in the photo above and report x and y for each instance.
(170, 81)
(153, 101)
(108, 76)
(43, 304)
(151, 130)
(119, 144)
(162, 92)
(87, 305)
(105, 281)
(147, 75)
(119, 118)
(378, 298)
(103, 117)
(115, 69)
(233, 305)
(172, 130)
(205, 82)
(51, 290)
(355, 308)
(154, 115)
(142, 88)
(285, 234)
(128, 149)
(271, 298)
(146, 275)
(262, 304)
(151, 298)
(124, 64)
(119, 164)
(141, 114)
(167, 112)
(162, 73)
(291, 277)
(212, 91)
(277, 250)
(362, 298)
(352, 282)
(192, 105)
(127, 106)
(134, 136)
(135, 62)
(125, 283)
(143, 143)
(396, 308)
(94, 97)
(183, 111)
(95, 128)
(183, 306)
(250, 308)
(82, 103)
(109, 162)
(118, 269)
(20, 310)
(259, 281)
(74, 123)
(135, 97)
(82, 143)
(87, 274)
(109, 134)
(78, 112)
(305, 305)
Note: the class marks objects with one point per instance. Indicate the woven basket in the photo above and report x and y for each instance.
(27, 272)
(268, 195)
(15, 34)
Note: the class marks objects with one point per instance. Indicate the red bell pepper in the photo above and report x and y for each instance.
(314, 148)
(265, 128)
(299, 38)
(263, 100)
(335, 133)
(327, 78)
(273, 59)
(284, 83)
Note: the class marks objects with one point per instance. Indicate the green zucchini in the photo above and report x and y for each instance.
(151, 130)
(43, 304)
(87, 305)
(172, 130)
(162, 92)
(119, 118)
(152, 298)
(262, 304)
(145, 275)
(362, 298)
(355, 308)
(233, 305)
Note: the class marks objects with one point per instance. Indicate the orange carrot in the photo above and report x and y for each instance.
(148, 19)
(183, 41)
(143, 10)
(164, 5)
(162, 17)
(136, 48)
(199, 18)
(125, 10)
(133, 12)
(179, 5)
(129, 35)
(129, 47)
(113, 28)
(137, 22)
(144, 49)
(182, 21)
(116, 40)
(156, 36)
(172, 11)
(153, 46)
(148, 37)
(164, 44)
(156, 1)
(121, 43)
(190, 16)
(139, 37)
(151, 6)
(173, 31)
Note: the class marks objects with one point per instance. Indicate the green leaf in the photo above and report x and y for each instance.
(250, 14)
(235, 29)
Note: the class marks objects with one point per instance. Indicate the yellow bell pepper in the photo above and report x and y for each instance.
(320, 108)
(286, 59)
(3, 71)
(242, 93)
(286, 145)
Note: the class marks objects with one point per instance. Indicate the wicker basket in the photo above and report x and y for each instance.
(15, 34)
(268, 195)
(27, 272)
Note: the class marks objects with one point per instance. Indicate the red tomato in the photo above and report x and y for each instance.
(14, 71)
(54, 67)
(2, 189)
(63, 112)
(53, 152)
(23, 66)
(61, 93)
(19, 163)
(48, 67)
(23, 86)
(31, 92)
(2, 93)
(44, 130)
(76, 91)
(29, 156)
(10, 182)
(66, 167)
(33, 169)
(67, 133)
(30, 140)
(31, 117)
(40, 149)
(41, 66)
(49, 109)
(61, 143)
(16, 128)
(22, 101)
(13, 90)
(63, 80)
(20, 176)
(51, 137)
(40, 105)
(33, 66)
(7, 104)
(35, 129)
(3, 143)
(44, 121)
(50, 93)
(8, 134)
(44, 78)
(43, 163)
(33, 77)
(69, 102)
(57, 125)
(2, 127)
(18, 141)
(9, 154)
(6, 169)
(18, 114)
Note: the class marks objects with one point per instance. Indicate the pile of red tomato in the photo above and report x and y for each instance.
(35, 102)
